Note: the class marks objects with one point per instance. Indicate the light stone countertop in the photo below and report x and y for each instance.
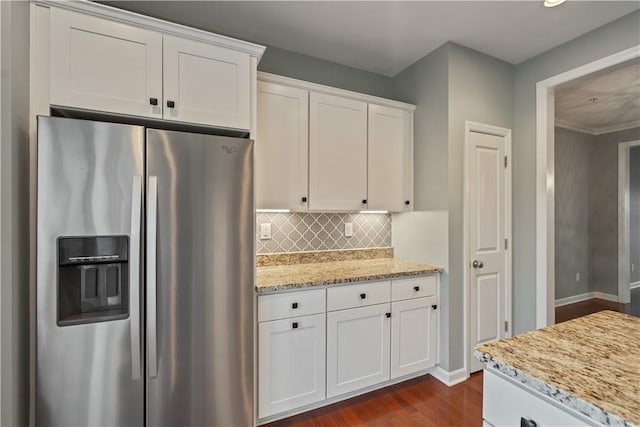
(295, 276)
(590, 364)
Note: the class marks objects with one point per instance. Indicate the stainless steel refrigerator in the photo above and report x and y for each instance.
(145, 266)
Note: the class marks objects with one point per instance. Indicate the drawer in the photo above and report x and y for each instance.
(290, 304)
(507, 404)
(360, 295)
(414, 287)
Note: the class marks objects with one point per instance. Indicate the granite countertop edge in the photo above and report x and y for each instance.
(343, 280)
(565, 398)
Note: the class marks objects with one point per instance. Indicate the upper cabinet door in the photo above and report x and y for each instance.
(206, 84)
(103, 65)
(337, 153)
(390, 159)
(282, 147)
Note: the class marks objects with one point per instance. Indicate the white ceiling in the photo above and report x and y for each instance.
(601, 102)
(387, 36)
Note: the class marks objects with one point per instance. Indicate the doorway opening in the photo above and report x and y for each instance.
(547, 187)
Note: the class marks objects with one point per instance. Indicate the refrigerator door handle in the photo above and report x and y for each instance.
(134, 280)
(152, 230)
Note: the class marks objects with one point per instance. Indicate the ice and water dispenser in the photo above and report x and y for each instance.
(93, 279)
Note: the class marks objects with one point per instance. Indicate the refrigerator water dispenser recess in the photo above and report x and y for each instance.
(93, 283)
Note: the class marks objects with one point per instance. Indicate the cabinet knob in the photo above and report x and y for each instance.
(171, 104)
(416, 288)
(153, 101)
(363, 296)
(304, 199)
(364, 201)
(434, 306)
(527, 422)
(295, 325)
(294, 305)
(388, 315)
(406, 202)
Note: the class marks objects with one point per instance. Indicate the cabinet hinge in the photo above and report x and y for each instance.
(506, 326)
(506, 162)
(506, 244)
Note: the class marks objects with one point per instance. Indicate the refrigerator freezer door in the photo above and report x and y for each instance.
(89, 180)
(204, 281)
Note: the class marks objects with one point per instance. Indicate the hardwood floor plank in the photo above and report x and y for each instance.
(423, 401)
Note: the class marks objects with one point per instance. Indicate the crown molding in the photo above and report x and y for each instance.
(315, 87)
(595, 131)
(147, 22)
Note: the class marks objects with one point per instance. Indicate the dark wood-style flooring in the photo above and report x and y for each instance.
(423, 402)
(594, 305)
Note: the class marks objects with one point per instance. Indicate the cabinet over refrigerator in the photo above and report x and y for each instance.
(145, 267)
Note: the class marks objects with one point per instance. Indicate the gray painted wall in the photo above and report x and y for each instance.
(616, 36)
(304, 67)
(480, 90)
(572, 211)
(14, 213)
(454, 84)
(587, 211)
(634, 220)
(603, 210)
(423, 235)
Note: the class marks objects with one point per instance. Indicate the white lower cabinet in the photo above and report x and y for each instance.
(291, 363)
(506, 403)
(413, 335)
(357, 348)
(365, 334)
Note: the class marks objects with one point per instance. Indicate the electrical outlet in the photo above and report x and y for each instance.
(577, 277)
(265, 231)
(348, 229)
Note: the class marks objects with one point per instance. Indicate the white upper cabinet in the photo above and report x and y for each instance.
(337, 153)
(206, 84)
(113, 61)
(98, 64)
(282, 147)
(390, 159)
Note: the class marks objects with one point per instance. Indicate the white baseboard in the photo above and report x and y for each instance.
(572, 300)
(586, 296)
(604, 296)
(448, 378)
(634, 285)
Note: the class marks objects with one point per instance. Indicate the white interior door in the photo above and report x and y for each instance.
(489, 217)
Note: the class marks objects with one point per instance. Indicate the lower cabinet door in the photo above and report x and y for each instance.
(413, 336)
(291, 363)
(358, 342)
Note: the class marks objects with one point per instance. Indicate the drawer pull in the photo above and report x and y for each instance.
(304, 199)
(153, 101)
(363, 296)
(416, 288)
(171, 104)
(294, 305)
(388, 315)
(527, 422)
(295, 325)
(364, 201)
(434, 306)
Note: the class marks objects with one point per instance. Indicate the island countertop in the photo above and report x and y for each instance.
(590, 364)
(272, 278)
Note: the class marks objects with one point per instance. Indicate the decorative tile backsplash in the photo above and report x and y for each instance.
(295, 231)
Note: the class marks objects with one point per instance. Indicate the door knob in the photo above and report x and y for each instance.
(477, 264)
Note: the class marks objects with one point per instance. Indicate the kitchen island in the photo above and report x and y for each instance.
(585, 371)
